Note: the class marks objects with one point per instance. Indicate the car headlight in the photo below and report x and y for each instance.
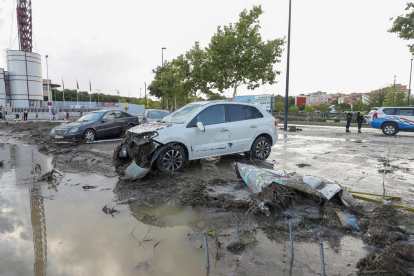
(74, 129)
(52, 132)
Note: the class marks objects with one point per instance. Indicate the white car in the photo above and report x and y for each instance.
(393, 119)
(205, 129)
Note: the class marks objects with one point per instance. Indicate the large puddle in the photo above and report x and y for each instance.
(60, 228)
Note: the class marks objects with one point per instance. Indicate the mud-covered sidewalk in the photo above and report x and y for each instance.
(156, 226)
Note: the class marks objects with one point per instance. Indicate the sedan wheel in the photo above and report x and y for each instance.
(89, 135)
(172, 159)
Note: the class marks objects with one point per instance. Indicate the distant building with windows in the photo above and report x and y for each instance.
(46, 91)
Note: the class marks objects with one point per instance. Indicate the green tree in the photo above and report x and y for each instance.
(302, 107)
(323, 108)
(357, 105)
(377, 97)
(279, 107)
(291, 101)
(293, 110)
(403, 25)
(239, 56)
(335, 102)
(345, 106)
(394, 99)
(308, 109)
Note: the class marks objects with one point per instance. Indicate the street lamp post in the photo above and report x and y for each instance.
(409, 88)
(118, 95)
(140, 92)
(145, 91)
(287, 73)
(162, 65)
(48, 85)
(393, 93)
(98, 93)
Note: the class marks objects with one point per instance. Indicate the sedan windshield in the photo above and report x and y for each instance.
(91, 117)
(157, 114)
(182, 114)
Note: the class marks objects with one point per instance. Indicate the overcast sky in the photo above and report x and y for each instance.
(335, 45)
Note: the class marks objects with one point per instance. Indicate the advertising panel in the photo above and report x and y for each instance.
(265, 101)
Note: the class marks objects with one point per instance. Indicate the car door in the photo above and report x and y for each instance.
(214, 140)
(406, 118)
(121, 122)
(242, 127)
(108, 124)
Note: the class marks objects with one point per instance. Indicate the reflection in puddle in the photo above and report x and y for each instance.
(62, 230)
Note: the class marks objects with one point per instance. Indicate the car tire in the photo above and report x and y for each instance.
(89, 135)
(390, 128)
(261, 148)
(172, 159)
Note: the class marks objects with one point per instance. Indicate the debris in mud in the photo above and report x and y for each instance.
(109, 211)
(397, 259)
(88, 187)
(237, 247)
(303, 165)
(382, 228)
(143, 265)
(53, 177)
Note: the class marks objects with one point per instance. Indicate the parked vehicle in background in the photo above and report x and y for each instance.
(368, 117)
(94, 125)
(206, 129)
(393, 119)
(153, 115)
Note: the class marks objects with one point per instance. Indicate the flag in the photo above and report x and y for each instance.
(90, 86)
(63, 85)
(77, 84)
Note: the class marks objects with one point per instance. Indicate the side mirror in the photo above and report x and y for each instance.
(104, 120)
(201, 126)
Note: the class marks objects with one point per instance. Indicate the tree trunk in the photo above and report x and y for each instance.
(235, 89)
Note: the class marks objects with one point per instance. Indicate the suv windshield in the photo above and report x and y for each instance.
(91, 117)
(182, 114)
(159, 114)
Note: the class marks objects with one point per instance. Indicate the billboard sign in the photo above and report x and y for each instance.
(265, 101)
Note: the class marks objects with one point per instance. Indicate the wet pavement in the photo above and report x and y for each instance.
(57, 227)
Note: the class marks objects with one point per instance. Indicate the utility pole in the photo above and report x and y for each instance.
(393, 93)
(409, 89)
(118, 95)
(287, 72)
(140, 92)
(145, 91)
(98, 93)
(162, 65)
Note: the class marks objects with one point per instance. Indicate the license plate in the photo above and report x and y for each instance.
(58, 137)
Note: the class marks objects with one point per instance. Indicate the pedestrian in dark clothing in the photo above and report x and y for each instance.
(25, 113)
(359, 119)
(67, 116)
(348, 119)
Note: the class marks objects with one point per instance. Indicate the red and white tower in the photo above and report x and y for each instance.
(24, 24)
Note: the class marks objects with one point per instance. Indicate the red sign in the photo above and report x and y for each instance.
(8, 104)
(110, 104)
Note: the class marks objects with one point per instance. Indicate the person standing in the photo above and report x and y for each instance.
(360, 118)
(348, 119)
(37, 114)
(1, 115)
(67, 115)
(54, 114)
(25, 115)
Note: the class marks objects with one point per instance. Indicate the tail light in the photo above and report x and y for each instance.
(375, 115)
(275, 123)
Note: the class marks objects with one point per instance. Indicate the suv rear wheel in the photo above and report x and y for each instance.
(389, 128)
(172, 159)
(261, 148)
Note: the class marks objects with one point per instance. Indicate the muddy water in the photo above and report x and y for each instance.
(59, 228)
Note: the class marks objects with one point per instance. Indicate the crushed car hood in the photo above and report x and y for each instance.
(152, 127)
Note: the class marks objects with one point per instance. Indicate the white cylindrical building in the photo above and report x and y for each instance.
(2, 88)
(25, 78)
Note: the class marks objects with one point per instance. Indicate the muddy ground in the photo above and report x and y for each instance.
(207, 198)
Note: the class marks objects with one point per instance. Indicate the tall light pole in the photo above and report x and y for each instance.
(140, 92)
(393, 93)
(145, 91)
(409, 87)
(99, 90)
(162, 65)
(48, 85)
(287, 73)
(118, 95)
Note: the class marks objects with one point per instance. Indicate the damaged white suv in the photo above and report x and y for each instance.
(198, 130)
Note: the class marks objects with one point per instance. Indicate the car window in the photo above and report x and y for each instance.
(212, 115)
(119, 114)
(91, 117)
(110, 116)
(390, 111)
(239, 112)
(126, 114)
(255, 112)
(157, 114)
(182, 114)
(407, 112)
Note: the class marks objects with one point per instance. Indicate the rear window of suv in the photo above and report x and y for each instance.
(238, 112)
(407, 112)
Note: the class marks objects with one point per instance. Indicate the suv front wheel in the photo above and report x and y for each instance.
(389, 128)
(261, 148)
(172, 159)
